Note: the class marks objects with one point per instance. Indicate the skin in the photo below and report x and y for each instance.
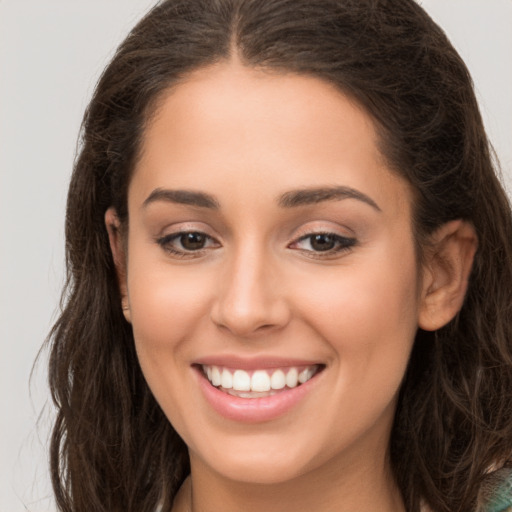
(259, 287)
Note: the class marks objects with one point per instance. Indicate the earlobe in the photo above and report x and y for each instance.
(115, 237)
(448, 262)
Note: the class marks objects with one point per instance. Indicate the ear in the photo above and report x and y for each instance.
(117, 247)
(448, 261)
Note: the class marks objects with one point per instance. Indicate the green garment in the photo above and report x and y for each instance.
(496, 492)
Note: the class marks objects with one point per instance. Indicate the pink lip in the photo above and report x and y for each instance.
(253, 410)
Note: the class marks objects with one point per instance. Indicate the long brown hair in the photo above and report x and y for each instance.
(112, 447)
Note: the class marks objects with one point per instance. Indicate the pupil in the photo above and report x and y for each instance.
(192, 241)
(322, 242)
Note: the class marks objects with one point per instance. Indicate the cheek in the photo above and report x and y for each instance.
(365, 298)
(368, 319)
(167, 308)
(166, 304)
(367, 313)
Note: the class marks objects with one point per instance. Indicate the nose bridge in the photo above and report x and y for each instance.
(248, 300)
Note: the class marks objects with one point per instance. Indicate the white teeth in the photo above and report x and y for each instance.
(278, 380)
(261, 381)
(226, 379)
(216, 378)
(241, 381)
(305, 375)
(292, 378)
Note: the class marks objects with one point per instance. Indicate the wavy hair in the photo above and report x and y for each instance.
(112, 448)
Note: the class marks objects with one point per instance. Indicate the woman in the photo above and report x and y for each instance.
(289, 278)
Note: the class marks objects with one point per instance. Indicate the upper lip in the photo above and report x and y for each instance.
(253, 363)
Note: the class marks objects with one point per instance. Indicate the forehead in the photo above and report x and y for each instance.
(232, 126)
(257, 102)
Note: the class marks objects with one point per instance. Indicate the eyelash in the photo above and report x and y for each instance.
(342, 244)
(166, 243)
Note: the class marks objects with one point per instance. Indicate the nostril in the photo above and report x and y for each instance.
(265, 327)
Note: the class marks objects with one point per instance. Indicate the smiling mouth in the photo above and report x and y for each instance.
(258, 383)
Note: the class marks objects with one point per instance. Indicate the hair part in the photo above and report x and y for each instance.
(112, 447)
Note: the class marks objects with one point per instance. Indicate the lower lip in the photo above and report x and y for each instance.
(253, 410)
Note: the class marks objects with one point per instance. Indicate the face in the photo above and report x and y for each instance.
(271, 275)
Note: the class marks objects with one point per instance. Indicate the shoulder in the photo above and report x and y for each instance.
(496, 492)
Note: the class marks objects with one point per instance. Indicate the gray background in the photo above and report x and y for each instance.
(51, 54)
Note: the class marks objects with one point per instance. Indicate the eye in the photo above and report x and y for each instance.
(192, 241)
(187, 243)
(328, 243)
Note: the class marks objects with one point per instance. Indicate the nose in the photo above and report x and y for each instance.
(250, 299)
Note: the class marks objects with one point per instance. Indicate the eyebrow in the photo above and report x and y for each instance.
(291, 199)
(187, 197)
(309, 196)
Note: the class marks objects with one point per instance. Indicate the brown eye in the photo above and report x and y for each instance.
(323, 242)
(328, 244)
(187, 243)
(192, 241)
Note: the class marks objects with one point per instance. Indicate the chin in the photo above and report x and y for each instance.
(262, 461)
(259, 471)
